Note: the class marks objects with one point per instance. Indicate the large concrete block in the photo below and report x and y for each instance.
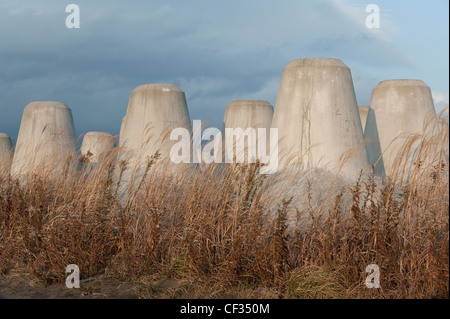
(96, 144)
(249, 114)
(6, 150)
(317, 117)
(153, 111)
(401, 108)
(46, 137)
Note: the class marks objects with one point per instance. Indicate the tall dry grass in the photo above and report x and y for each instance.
(224, 224)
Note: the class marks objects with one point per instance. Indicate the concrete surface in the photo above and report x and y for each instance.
(317, 117)
(373, 148)
(153, 111)
(401, 108)
(249, 114)
(363, 110)
(6, 150)
(46, 136)
(122, 124)
(97, 144)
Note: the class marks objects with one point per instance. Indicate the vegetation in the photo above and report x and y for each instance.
(223, 227)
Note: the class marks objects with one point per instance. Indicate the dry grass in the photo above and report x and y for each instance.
(222, 227)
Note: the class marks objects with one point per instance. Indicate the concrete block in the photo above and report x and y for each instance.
(46, 137)
(317, 117)
(153, 111)
(96, 144)
(402, 108)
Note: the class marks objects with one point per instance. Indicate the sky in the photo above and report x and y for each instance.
(215, 51)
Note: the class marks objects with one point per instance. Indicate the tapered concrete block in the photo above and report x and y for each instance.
(6, 150)
(401, 108)
(46, 137)
(318, 119)
(96, 145)
(249, 114)
(153, 111)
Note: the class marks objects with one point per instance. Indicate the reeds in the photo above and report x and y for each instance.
(226, 225)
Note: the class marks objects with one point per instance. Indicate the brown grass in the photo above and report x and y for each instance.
(222, 226)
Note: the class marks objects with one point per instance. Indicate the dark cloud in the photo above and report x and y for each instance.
(216, 51)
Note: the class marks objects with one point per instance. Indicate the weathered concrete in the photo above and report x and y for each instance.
(122, 131)
(363, 111)
(401, 108)
(153, 111)
(96, 144)
(317, 117)
(373, 147)
(46, 136)
(6, 150)
(246, 114)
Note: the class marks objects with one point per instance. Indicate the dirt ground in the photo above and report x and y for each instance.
(20, 284)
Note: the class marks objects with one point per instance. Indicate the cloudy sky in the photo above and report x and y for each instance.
(215, 51)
